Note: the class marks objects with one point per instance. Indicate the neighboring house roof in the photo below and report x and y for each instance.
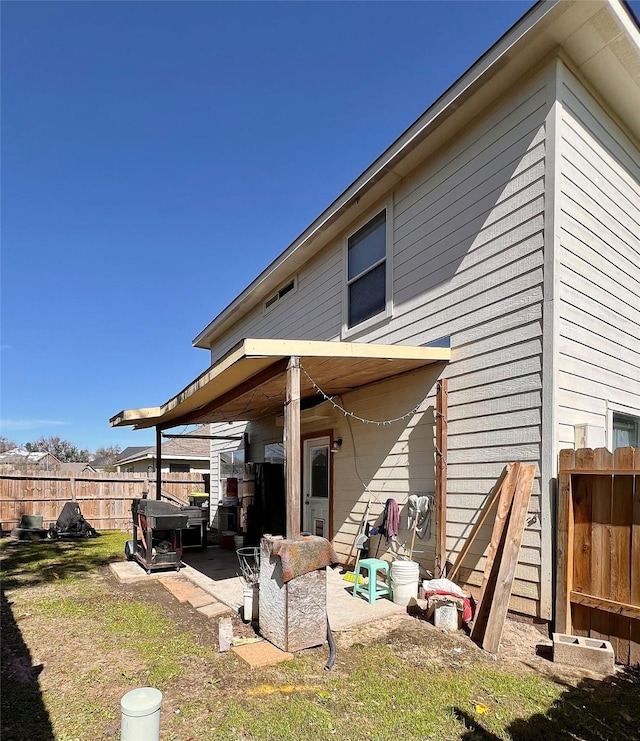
(76, 468)
(129, 452)
(184, 448)
(22, 455)
(602, 39)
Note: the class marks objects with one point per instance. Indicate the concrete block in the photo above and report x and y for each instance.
(593, 654)
(225, 634)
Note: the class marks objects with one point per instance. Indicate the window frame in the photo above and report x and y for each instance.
(622, 409)
(387, 312)
(179, 468)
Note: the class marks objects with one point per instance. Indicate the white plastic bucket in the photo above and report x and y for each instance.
(140, 717)
(405, 577)
(446, 617)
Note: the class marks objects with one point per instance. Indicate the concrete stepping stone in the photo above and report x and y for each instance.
(201, 599)
(215, 609)
(181, 589)
(261, 654)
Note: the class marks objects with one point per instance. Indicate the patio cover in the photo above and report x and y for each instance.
(261, 378)
(250, 381)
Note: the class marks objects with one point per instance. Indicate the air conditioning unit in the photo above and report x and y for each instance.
(590, 436)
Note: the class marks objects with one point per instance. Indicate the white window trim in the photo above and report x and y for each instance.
(612, 407)
(387, 313)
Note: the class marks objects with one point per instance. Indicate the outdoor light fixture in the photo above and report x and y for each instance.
(336, 445)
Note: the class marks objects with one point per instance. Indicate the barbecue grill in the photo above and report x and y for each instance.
(196, 533)
(157, 534)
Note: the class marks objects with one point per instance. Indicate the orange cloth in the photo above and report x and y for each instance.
(302, 555)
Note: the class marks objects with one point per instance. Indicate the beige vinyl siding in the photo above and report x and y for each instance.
(217, 446)
(468, 263)
(379, 462)
(598, 265)
(312, 312)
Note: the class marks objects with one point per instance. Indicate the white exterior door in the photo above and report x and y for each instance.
(316, 486)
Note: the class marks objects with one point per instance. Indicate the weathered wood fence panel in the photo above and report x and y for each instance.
(598, 579)
(104, 498)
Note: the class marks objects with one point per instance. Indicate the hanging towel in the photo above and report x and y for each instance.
(421, 508)
(390, 521)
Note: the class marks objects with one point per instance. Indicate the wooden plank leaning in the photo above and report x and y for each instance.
(511, 549)
(495, 547)
(494, 495)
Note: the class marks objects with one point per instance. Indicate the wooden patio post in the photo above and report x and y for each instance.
(441, 477)
(292, 447)
(158, 463)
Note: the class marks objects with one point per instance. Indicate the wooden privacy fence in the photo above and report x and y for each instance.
(598, 579)
(104, 498)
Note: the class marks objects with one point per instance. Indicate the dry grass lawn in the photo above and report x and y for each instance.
(74, 641)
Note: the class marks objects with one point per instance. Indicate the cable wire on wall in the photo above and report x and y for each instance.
(351, 415)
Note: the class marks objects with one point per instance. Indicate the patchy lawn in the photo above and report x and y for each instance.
(75, 641)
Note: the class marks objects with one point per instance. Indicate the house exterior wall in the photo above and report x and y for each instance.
(217, 447)
(598, 266)
(467, 263)
(143, 465)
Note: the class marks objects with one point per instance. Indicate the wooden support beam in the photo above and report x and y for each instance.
(564, 554)
(608, 605)
(292, 447)
(197, 415)
(158, 463)
(204, 437)
(441, 476)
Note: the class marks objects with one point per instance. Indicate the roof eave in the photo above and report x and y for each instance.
(384, 170)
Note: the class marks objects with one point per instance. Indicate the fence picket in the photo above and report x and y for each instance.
(600, 501)
(104, 497)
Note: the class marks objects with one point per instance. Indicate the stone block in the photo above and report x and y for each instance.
(593, 654)
(214, 609)
(225, 634)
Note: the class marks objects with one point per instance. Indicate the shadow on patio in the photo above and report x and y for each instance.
(216, 570)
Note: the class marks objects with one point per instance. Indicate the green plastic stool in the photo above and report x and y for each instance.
(373, 588)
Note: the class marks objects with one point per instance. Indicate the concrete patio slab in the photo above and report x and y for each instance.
(128, 572)
(215, 571)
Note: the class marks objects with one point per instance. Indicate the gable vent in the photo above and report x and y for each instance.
(289, 287)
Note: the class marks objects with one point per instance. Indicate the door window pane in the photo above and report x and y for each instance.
(319, 480)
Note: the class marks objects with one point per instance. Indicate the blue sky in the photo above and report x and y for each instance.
(156, 156)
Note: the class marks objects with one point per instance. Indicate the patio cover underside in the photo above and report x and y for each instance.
(250, 382)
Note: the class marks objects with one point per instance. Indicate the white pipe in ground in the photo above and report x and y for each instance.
(140, 720)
